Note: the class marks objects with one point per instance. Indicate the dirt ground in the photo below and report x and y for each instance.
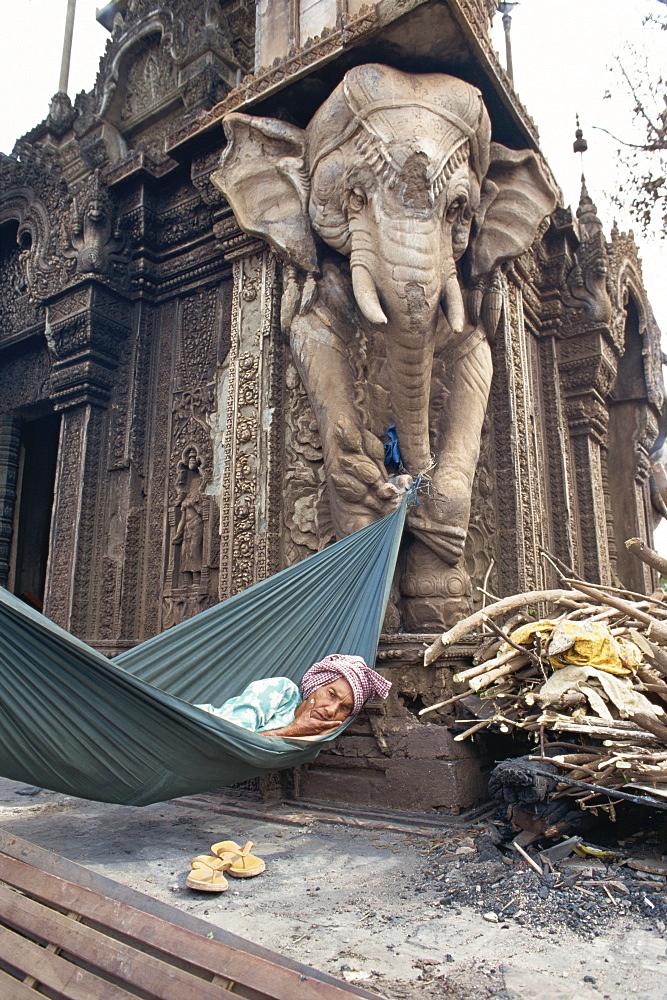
(403, 913)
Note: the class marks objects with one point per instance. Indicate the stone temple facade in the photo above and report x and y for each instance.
(271, 232)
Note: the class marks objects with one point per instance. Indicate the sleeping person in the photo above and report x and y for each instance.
(330, 692)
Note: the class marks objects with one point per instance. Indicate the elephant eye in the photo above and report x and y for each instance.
(357, 199)
(456, 209)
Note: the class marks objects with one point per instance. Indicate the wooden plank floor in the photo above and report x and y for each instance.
(68, 933)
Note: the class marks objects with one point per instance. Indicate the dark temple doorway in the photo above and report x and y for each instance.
(37, 475)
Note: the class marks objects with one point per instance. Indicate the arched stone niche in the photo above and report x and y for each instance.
(24, 237)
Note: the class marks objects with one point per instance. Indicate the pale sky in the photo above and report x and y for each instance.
(562, 53)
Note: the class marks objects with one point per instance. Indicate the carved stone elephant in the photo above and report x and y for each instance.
(392, 211)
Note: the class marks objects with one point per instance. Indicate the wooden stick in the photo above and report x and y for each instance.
(647, 555)
(619, 590)
(599, 789)
(659, 656)
(526, 857)
(655, 653)
(481, 668)
(599, 732)
(441, 704)
(657, 629)
(659, 689)
(523, 650)
(467, 625)
(474, 729)
(553, 559)
(487, 651)
(566, 764)
(516, 664)
(612, 898)
(651, 724)
(487, 593)
(485, 581)
(466, 722)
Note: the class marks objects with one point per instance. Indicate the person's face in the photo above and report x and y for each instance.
(331, 702)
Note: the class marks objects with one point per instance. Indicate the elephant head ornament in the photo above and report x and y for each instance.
(392, 211)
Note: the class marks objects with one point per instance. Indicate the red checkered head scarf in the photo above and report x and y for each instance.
(365, 683)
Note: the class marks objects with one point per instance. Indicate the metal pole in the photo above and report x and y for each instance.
(507, 25)
(67, 47)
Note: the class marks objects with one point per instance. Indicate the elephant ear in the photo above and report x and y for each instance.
(517, 196)
(263, 175)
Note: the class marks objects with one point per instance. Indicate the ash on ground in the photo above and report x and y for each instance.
(482, 868)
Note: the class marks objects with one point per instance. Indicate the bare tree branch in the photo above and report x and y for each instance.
(646, 148)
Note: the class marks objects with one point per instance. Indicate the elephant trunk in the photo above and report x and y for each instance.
(397, 282)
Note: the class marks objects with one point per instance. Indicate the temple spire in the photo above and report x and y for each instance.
(589, 222)
(587, 215)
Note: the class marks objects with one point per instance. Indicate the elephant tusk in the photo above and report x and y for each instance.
(452, 302)
(366, 294)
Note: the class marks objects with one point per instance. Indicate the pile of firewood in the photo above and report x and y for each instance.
(605, 734)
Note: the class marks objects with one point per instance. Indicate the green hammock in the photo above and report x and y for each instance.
(126, 730)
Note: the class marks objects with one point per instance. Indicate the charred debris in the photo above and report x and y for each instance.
(576, 680)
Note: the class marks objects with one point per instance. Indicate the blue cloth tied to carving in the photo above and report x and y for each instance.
(128, 730)
(392, 452)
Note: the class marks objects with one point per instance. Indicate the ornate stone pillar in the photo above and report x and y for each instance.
(86, 326)
(250, 505)
(642, 494)
(633, 428)
(10, 441)
(68, 575)
(587, 366)
(520, 509)
(587, 420)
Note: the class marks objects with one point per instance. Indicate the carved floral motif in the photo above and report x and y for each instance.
(150, 77)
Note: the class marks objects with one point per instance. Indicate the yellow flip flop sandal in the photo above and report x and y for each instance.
(242, 864)
(207, 874)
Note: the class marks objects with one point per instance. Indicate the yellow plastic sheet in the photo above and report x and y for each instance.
(525, 634)
(591, 644)
(581, 643)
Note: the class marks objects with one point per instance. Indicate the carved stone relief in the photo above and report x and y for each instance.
(160, 59)
(9, 464)
(17, 309)
(191, 582)
(85, 330)
(587, 289)
(91, 232)
(481, 560)
(365, 340)
(554, 440)
(525, 482)
(252, 381)
(587, 422)
(155, 537)
(151, 76)
(307, 515)
(71, 595)
(29, 225)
